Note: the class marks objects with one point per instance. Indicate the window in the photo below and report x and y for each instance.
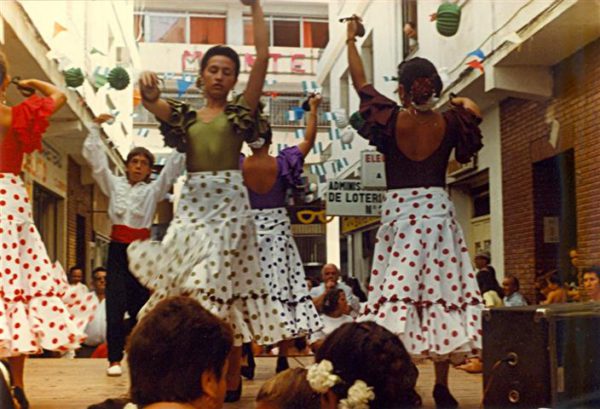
(166, 29)
(207, 30)
(291, 32)
(286, 33)
(409, 26)
(481, 200)
(45, 216)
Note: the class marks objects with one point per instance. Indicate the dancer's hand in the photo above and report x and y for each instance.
(102, 118)
(149, 86)
(314, 102)
(352, 27)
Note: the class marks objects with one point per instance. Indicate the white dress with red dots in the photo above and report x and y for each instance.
(38, 309)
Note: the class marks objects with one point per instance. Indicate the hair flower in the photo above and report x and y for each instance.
(321, 377)
(359, 396)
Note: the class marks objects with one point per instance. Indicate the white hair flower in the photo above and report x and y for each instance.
(130, 406)
(359, 396)
(321, 377)
(257, 144)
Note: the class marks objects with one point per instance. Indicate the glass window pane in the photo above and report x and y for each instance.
(207, 30)
(316, 34)
(286, 33)
(167, 29)
(249, 31)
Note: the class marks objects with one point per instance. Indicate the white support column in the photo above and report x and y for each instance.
(333, 241)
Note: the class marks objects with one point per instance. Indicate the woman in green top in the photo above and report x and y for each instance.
(210, 251)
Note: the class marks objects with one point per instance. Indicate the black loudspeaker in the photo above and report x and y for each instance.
(542, 356)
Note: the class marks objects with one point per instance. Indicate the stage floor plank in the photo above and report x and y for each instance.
(77, 383)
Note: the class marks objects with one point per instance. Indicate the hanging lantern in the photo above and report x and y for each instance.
(73, 77)
(118, 78)
(448, 19)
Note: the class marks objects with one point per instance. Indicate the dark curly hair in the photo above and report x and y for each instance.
(332, 300)
(225, 52)
(371, 353)
(420, 79)
(172, 347)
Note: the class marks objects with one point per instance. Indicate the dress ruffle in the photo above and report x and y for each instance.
(378, 113)
(464, 125)
(247, 125)
(30, 121)
(291, 161)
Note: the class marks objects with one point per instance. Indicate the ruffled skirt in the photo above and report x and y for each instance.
(210, 253)
(423, 285)
(38, 309)
(283, 270)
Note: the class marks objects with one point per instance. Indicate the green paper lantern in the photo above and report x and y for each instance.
(448, 19)
(73, 77)
(118, 78)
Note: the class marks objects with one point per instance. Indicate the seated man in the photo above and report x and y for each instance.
(331, 279)
(512, 296)
(591, 283)
(96, 329)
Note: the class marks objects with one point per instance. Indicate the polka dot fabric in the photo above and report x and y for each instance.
(423, 285)
(210, 253)
(283, 271)
(38, 309)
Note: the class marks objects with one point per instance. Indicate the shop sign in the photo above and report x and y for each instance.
(348, 198)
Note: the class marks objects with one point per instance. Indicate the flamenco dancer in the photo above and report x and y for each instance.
(131, 208)
(268, 179)
(37, 309)
(423, 286)
(210, 250)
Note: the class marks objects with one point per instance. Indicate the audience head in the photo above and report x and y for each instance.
(335, 303)
(510, 285)
(365, 355)
(554, 282)
(75, 275)
(288, 390)
(330, 272)
(178, 353)
(418, 81)
(219, 70)
(99, 277)
(482, 259)
(591, 282)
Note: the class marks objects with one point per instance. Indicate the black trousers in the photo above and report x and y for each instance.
(123, 294)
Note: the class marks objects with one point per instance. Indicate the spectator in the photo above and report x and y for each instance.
(410, 31)
(591, 283)
(288, 390)
(556, 293)
(75, 277)
(330, 275)
(178, 354)
(482, 263)
(96, 329)
(335, 314)
(368, 362)
(512, 296)
(489, 288)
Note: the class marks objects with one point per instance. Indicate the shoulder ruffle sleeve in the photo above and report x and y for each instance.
(464, 126)
(291, 161)
(30, 121)
(175, 129)
(245, 124)
(377, 117)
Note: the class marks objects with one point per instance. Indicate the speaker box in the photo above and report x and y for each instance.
(542, 356)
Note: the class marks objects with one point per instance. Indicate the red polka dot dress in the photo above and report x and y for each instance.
(422, 284)
(38, 310)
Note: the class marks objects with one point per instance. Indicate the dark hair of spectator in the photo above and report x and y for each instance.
(515, 281)
(331, 301)
(592, 269)
(289, 390)
(97, 269)
(371, 353)
(172, 347)
(555, 279)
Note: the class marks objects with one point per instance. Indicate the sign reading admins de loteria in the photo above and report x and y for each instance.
(348, 198)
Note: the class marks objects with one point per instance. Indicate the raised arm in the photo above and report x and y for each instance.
(357, 71)
(48, 90)
(93, 152)
(311, 127)
(258, 73)
(151, 96)
(173, 168)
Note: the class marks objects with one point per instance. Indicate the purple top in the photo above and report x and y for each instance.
(289, 169)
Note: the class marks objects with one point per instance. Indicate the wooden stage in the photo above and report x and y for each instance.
(53, 383)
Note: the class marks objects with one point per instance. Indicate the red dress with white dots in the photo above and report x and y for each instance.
(422, 285)
(37, 308)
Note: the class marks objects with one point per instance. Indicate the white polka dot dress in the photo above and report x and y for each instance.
(283, 271)
(423, 285)
(38, 309)
(210, 253)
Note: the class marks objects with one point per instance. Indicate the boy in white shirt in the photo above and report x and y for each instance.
(133, 199)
